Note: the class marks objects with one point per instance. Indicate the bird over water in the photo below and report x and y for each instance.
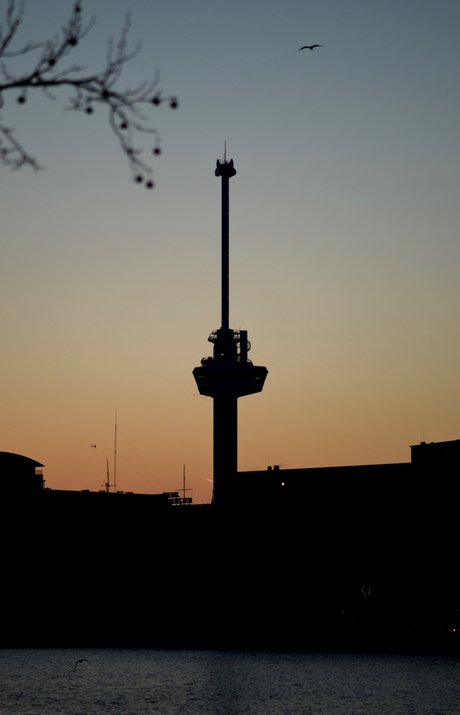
(82, 660)
(309, 47)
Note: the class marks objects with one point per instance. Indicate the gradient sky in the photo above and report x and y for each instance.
(344, 242)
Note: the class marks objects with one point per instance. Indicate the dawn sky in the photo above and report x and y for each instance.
(344, 242)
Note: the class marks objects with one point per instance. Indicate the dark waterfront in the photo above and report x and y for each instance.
(143, 681)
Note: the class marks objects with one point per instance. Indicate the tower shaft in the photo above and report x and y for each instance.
(225, 446)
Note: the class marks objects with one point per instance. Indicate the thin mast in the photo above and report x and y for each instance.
(115, 457)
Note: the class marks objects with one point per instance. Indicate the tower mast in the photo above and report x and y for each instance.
(228, 374)
(225, 170)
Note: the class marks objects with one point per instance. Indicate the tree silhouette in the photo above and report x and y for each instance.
(127, 109)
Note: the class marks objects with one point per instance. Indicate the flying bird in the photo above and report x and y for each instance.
(82, 660)
(94, 446)
(309, 47)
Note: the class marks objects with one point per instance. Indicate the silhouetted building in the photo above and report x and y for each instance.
(20, 474)
(443, 456)
(359, 557)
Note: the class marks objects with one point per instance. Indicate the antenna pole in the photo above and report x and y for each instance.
(115, 457)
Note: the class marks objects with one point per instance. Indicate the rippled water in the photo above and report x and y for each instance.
(137, 682)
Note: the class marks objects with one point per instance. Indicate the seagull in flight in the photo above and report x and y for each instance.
(309, 47)
(82, 660)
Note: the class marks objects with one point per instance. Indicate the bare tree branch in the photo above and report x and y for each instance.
(127, 109)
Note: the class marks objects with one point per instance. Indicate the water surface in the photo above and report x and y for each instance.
(141, 682)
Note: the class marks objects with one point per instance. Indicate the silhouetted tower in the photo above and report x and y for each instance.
(228, 374)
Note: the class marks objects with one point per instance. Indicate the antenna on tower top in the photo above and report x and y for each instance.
(225, 152)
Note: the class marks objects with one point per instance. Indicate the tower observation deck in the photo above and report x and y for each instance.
(228, 374)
